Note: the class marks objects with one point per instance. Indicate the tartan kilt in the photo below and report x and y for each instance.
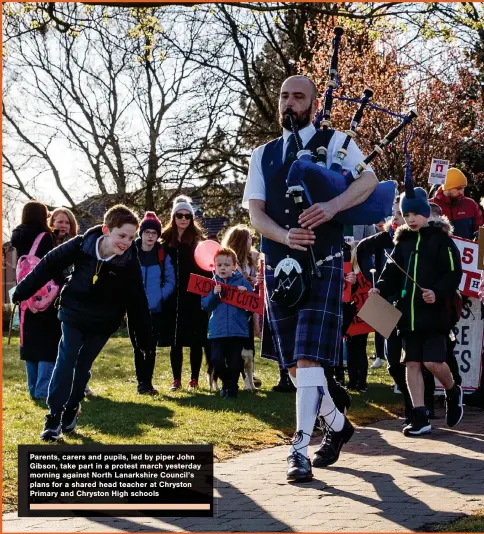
(312, 332)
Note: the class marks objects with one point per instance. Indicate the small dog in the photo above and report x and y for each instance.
(211, 378)
(248, 371)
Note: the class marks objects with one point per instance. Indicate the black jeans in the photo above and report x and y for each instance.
(357, 361)
(397, 369)
(176, 360)
(144, 364)
(227, 360)
(379, 346)
(77, 351)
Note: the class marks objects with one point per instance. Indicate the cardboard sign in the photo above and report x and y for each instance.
(438, 171)
(231, 295)
(471, 276)
(470, 345)
(480, 252)
(358, 325)
(380, 314)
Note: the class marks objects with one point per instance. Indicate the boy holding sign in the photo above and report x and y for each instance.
(425, 272)
(227, 326)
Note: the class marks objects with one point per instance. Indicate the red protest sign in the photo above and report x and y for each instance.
(231, 295)
(358, 326)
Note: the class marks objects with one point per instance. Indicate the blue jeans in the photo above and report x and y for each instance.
(77, 351)
(38, 378)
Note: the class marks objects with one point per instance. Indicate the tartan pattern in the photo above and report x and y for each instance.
(312, 332)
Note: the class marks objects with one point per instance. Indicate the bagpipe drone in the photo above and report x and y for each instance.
(310, 180)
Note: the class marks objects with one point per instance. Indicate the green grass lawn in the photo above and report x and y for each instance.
(118, 415)
(471, 523)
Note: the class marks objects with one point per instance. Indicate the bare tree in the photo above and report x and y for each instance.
(117, 92)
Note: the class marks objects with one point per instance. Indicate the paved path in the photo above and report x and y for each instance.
(383, 482)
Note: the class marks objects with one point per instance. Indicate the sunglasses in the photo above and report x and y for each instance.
(187, 216)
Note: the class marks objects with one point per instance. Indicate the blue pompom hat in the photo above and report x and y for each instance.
(415, 200)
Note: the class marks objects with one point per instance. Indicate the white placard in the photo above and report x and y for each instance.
(438, 171)
(471, 274)
(470, 344)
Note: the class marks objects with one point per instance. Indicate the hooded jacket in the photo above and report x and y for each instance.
(465, 214)
(227, 320)
(158, 277)
(97, 307)
(432, 259)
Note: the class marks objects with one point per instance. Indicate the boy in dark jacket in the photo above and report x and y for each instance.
(159, 281)
(105, 284)
(227, 326)
(427, 253)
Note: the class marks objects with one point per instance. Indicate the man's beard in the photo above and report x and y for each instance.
(301, 119)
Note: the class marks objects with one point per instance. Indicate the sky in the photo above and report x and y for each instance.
(69, 163)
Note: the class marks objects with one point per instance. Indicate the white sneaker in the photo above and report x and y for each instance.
(376, 364)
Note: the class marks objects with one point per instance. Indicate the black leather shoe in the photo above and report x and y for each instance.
(330, 448)
(298, 468)
(284, 385)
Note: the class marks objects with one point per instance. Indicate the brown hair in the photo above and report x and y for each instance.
(236, 238)
(354, 258)
(73, 230)
(35, 213)
(226, 251)
(192, 235)
(118, 215)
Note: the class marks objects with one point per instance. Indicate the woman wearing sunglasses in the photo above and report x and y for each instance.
(184, 322)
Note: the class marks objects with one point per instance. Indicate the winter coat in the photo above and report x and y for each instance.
(227, 320)
(432, 259)
(95, 307)
(41, 331)
(183, 322)
(464, 215)
(158, 275)
(370, 252)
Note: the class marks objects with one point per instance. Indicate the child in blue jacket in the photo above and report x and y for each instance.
(227, 326)
(159, 282)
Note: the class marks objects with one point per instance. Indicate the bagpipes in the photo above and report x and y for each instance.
(309, 177)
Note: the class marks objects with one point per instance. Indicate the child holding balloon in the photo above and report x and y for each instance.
(227, 327)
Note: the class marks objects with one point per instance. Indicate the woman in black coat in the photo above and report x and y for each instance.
(42, 330)
(183, 322)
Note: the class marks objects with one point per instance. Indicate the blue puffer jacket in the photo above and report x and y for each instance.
(157, 287)
(227, 320)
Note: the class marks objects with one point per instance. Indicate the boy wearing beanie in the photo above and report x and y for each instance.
(464, 214)
(426, 252)
(159, 282)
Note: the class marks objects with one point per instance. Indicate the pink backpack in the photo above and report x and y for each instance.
(47, 294)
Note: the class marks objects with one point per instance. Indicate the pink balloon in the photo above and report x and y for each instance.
(205, 254)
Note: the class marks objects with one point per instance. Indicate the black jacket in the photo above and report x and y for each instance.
(431, 258)
(96, 307)
(41, 331)
(184, 321)
(370, 253)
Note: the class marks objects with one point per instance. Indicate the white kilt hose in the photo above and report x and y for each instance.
(313, 331)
